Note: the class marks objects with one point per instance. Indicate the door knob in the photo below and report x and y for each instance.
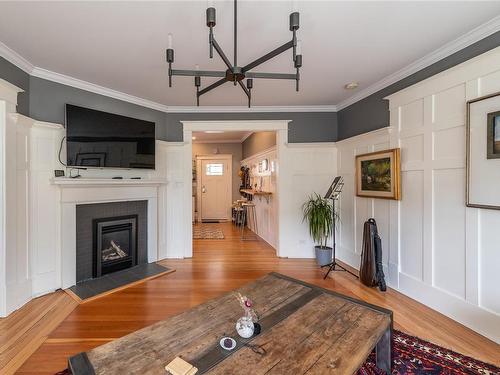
(203, 190)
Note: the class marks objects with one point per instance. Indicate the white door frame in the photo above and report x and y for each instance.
(281, 129)
(199, 158)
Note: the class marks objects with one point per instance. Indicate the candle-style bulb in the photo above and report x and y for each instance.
(197, 67)
(295, 6)
(169, 41)
(210, 4)
(298, 49)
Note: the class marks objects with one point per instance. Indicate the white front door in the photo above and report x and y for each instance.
(215, 189)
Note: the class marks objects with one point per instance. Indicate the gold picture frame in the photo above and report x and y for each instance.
(378, 174)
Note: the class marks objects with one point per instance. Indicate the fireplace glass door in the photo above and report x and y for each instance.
(115, 244)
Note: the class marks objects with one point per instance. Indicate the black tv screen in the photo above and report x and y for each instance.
(105, 140)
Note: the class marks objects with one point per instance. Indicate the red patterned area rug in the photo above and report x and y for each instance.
(413, 356)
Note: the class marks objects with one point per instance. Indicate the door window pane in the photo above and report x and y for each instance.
(215, 169)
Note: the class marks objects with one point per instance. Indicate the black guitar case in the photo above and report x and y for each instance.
(371, 272)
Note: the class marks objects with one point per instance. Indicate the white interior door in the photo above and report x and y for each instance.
(215, 189)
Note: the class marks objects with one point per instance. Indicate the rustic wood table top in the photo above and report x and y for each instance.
(305, 330)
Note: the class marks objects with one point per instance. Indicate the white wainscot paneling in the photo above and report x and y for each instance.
(381, 213)
(178, 235)
(449, 231)
(354, 211)
(412, 151)
(489, 260)
(309, 170)
(457, 272)
(363, 212)
(412, 213)
(449, 144)
(412, 115)
(449, 108)
(489, 83)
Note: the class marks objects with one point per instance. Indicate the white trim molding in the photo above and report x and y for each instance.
(8, 92)
(253, 125)
(14, 58)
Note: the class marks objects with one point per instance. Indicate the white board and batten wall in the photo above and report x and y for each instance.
(266, 208)
(437, 250)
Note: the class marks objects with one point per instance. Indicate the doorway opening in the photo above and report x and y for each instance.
(235, 181)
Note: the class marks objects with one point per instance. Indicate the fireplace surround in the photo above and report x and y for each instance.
(110, 236)
(78, 193)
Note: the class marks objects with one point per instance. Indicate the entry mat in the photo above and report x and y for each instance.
(117, 280)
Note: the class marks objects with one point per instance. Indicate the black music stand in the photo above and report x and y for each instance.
(333, 193)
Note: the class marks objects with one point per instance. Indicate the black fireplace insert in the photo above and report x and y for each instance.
(115, 244)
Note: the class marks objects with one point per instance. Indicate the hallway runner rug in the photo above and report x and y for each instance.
(207, 232)
(413, 356)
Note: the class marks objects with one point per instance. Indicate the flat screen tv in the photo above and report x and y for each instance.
(96, 139)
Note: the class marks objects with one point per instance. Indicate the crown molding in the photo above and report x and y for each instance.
(448, 49)
(96, 89)
(101, 90)
(244, 109)
(14, 58)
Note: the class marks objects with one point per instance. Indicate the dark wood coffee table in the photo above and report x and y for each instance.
(305, 330)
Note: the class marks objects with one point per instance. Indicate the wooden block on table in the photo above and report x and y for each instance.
(180, 367)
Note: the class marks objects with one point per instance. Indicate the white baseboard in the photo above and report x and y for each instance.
(480, 320)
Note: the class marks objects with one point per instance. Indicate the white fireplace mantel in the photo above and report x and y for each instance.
(66, 181)
(75, 192)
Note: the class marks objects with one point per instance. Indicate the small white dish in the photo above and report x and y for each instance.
(233, 343)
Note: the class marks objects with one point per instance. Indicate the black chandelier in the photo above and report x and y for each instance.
(235, 73)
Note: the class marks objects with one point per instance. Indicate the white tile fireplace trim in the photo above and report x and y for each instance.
(80, 192)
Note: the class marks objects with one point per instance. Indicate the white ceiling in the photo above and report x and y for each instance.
(121, 45)
(223, 137)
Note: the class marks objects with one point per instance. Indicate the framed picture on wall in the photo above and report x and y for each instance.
(378, 174)
(483, 152)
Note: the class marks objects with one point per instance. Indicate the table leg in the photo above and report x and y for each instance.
(383, 351)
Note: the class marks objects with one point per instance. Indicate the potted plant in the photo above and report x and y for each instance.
(318, 212)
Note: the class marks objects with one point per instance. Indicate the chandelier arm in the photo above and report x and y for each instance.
(212, 86)
(198, 73)
(222, 54)
(290, 76)
(268, 56)
(247, 92)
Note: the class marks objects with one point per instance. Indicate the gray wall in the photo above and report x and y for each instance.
(305, 126)
(47, 100)
(21, 79)
(44, 100)
(258, 142)
(372, 112)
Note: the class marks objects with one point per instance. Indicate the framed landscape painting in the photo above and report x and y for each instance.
(378, 174)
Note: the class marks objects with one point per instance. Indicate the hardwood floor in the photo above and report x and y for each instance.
(26, 329)
(219, 266)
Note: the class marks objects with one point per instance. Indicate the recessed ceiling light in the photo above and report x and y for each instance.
(213, 131)
(351, 86)
(193, 138)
